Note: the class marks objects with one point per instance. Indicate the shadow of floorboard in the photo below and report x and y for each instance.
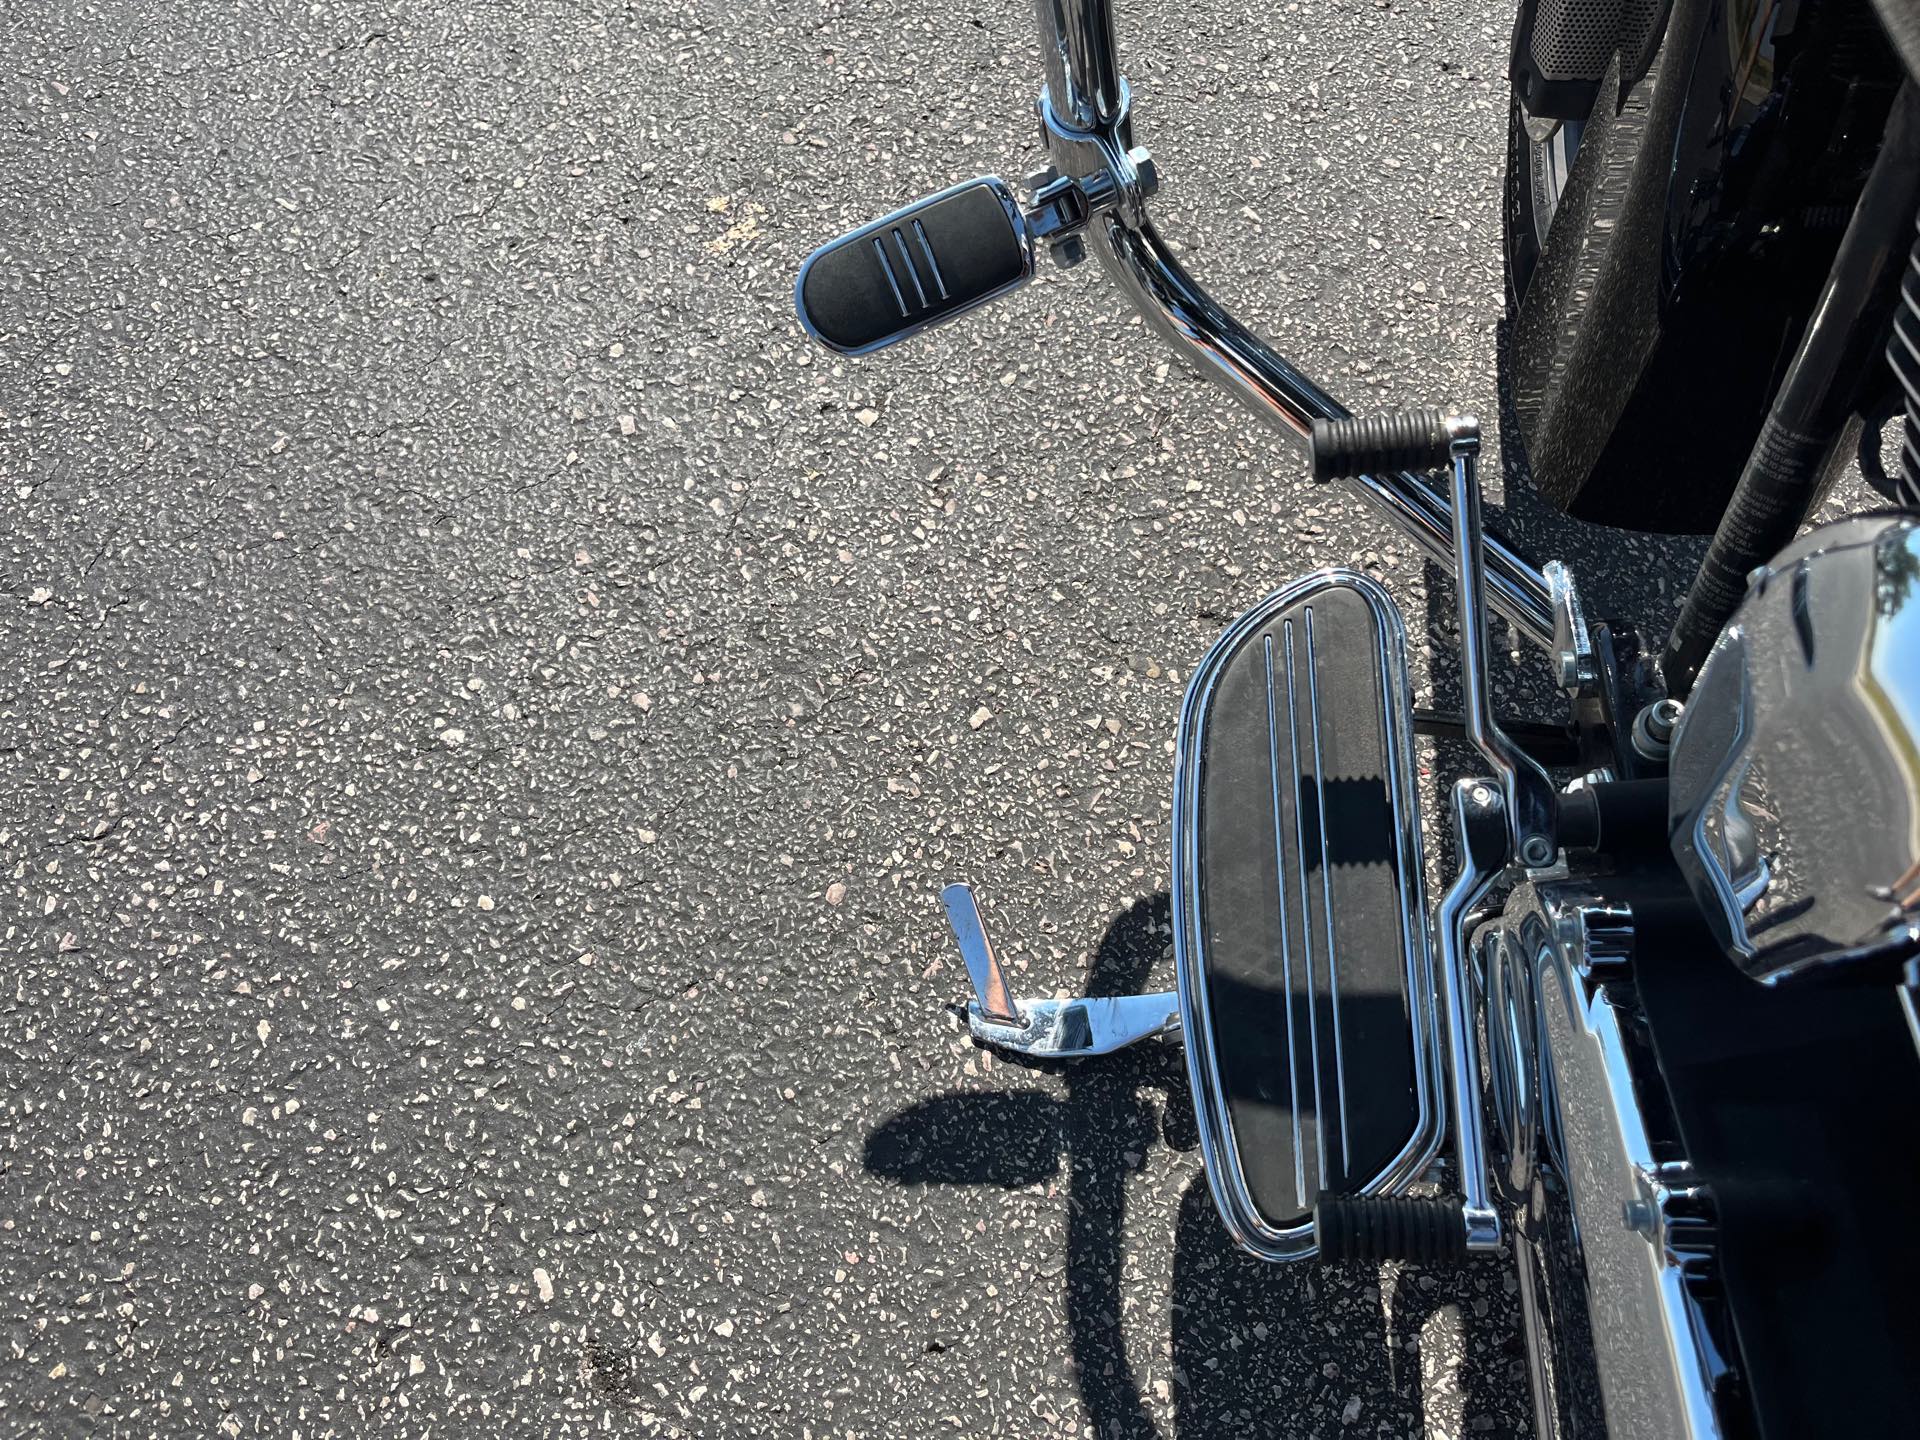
(1258, 1350)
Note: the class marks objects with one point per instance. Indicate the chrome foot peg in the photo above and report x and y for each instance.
(1047, 1029)
(920, 266)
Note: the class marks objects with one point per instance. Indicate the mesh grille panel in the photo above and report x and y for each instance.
(1639, 21)
(1574, 39)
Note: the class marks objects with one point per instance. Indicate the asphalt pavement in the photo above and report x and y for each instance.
(486, 709)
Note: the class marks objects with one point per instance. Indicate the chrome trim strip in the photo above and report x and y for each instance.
(1306, 907)
(926, 248)
(1023, 233)
(1286, 949)
(886, 268)
(1326, 900)
(900, 244)
(1225, 1179)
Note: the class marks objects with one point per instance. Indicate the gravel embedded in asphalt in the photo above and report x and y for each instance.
(487, 710)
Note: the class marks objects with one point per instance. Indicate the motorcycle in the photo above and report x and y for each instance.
(1656, 1044)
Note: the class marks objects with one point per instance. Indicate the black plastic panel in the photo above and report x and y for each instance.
(1797, 1106)
(1696, 229)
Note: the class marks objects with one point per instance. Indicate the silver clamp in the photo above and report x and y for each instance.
(1092, 170)
(1576, 668)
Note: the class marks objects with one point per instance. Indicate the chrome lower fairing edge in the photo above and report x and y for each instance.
(1231, 1194)
(1594, 1122)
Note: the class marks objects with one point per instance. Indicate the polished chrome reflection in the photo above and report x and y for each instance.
(1513, 1061)
(1275, 390)
(992, 998)
(1080, 1028)
(1081, 61)
(1046, 1029)
(1796, 768)
(1232, 1195)
(1480, 834)
(1643, 1224)
(1085, 118)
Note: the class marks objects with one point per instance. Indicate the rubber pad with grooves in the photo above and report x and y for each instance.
(1271, 853)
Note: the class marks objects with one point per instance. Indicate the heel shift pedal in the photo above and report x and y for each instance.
(922, 265)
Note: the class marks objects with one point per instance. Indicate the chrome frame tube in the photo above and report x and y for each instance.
(1081, 60)
(1084, 89)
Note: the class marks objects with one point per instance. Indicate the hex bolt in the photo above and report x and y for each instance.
(1037, 180)
(1146, 171)
(1536, 852)
(1664, 716)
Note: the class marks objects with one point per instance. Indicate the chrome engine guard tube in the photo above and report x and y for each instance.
(1085, 93)
(1221, 348)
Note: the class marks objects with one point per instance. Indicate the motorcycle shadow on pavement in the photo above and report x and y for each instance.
(1256, 1349)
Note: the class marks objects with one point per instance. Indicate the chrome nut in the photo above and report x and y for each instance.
(1034, 181)
(1147, 172)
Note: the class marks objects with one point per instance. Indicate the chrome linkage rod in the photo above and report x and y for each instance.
(1047, 1029)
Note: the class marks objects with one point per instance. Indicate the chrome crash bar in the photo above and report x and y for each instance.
(1085, 122)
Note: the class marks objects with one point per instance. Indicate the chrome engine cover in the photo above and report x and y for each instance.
(1795, 808)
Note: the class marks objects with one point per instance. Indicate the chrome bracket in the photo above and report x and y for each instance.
(1047, 1029)
(1480, 827)
(1577, 670)
(1094, 170)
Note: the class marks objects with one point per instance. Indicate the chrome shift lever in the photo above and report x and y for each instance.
(1526, 787)
(1510, 815)
(992, 999)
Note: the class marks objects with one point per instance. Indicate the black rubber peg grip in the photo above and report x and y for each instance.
(921, 265)
(1427, 1231)
(1368, 444)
